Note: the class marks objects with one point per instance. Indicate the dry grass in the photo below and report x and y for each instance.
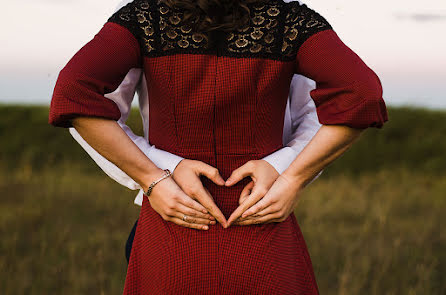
(64, 233)
(379, 234)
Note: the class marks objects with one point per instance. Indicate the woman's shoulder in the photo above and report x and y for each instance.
(137, 16)
(298, 16)
(300, 23)
(128, 12)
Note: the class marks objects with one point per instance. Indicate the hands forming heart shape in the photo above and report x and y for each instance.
(268, 197)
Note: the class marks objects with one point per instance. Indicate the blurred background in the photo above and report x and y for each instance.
(372, 221)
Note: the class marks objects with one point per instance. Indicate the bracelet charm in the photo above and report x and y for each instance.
(167, 173)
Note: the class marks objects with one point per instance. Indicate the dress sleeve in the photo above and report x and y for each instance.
(347, 91)
(96, 69)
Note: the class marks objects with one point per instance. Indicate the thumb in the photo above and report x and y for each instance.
(210, 172)
(238, 174)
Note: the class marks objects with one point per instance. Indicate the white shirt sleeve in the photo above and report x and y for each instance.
(300, 124)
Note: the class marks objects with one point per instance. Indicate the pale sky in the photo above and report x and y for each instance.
(402, 41)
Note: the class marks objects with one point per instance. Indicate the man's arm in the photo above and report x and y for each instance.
(301, 124)
(123, 97)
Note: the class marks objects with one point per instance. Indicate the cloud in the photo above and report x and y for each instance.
(421, 17)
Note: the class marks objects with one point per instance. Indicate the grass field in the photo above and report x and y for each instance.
(373, 220)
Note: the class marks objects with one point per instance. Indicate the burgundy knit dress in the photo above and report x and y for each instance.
(219, 98)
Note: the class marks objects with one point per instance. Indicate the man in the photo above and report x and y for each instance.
(300, 125)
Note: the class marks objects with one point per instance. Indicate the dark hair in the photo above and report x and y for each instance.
(209, 15)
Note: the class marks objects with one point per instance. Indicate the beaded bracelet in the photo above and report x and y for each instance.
(166, 174)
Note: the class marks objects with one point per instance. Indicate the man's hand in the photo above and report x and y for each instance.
(263, 176)
(187, 176)
(169, 201)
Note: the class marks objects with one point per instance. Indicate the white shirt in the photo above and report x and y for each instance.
(300, 125)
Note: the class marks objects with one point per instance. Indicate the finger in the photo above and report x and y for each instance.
(268, 210)
(210, 172)
(194, 213)
(191, 203)
(187, 224)
(259, 206)
(239, 173)
(192, 219)
(210, 196)
(246, 192)
(258, 220)
(254, 197)
(205, 198)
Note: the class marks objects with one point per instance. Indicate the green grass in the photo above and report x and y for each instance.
(372, 221)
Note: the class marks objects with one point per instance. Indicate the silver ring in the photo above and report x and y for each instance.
(184, 217)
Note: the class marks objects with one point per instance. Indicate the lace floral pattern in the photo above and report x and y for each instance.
(276, 30)
(138, 18)
(300, 23)
(261, 35)
(175, 35)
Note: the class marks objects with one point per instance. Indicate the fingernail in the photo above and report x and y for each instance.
(204, 211)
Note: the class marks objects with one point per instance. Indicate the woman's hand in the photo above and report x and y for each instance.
(187, 176)
(276, 205)
(169, 200)
(263, 176)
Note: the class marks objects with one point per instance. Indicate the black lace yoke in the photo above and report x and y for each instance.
(276, 30)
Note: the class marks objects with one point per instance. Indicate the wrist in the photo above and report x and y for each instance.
(299, 181)
(182, 161)
(151, 177)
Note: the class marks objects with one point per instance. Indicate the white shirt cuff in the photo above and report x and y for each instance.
(281, 159)
(163, 159)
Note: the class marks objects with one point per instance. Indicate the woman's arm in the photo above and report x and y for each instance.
(330, 142)
(348, 99)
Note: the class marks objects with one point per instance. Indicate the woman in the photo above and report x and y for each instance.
(218, 76)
